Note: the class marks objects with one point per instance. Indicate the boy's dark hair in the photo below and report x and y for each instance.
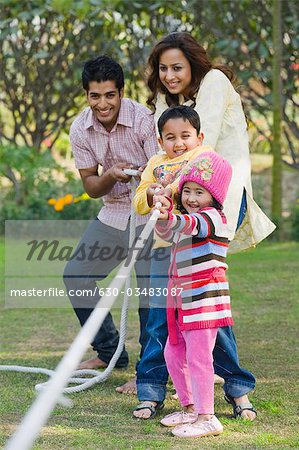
(179, 112)
(102, 68)
(180, 207)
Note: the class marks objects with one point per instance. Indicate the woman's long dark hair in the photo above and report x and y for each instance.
(198, 60)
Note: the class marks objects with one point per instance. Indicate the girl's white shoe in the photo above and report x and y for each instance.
(178, 418)
(199, 429)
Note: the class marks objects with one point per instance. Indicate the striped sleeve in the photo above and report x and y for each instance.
(210, 224)
(185, 224)
(216, 222)
(189, 224)
(204, 224)
(164, 228)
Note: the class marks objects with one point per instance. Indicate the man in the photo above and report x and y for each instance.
(112, 133)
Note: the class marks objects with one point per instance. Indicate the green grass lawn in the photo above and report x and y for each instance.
(264, 284)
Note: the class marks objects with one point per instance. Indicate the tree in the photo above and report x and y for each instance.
(277, 103)
(42, 50)
(241, 33)
(137, 26)
(43, 47)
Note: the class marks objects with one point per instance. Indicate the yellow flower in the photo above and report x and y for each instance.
(85, 196)
(68, 198)
(59, 204)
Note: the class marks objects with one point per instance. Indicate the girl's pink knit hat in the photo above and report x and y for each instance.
(210, 171)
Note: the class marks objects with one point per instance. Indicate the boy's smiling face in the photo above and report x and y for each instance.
(178, 137)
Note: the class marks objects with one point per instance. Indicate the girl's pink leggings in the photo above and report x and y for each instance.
(190, 365)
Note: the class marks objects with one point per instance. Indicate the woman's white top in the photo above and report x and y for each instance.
(224, 127)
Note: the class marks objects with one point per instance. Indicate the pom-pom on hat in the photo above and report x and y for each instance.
(210, 171)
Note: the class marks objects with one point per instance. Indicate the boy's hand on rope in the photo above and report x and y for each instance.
(167, 192)
(151, 190)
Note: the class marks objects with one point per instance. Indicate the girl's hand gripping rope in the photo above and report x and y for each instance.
(163, 204)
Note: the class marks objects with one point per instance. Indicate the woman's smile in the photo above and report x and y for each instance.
(175, 71)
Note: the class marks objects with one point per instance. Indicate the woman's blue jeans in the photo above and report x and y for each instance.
(152, 374)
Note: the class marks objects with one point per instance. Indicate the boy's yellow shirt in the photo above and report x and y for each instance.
(165, 171)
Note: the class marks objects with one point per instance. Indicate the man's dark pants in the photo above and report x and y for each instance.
(100, 250)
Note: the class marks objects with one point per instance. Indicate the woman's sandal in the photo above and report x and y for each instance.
(147, 405)
(238, 409)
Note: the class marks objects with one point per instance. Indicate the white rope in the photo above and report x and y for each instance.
(39, 412)
(94, 376)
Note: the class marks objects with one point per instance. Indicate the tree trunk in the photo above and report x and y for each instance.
(277, 107)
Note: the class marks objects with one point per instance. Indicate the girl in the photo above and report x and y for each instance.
(198, 301)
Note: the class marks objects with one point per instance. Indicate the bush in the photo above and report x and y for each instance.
(295, 222)
(33, 175)
(36, 207)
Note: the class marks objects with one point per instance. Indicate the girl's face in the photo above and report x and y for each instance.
(175, 71)
(195, 197)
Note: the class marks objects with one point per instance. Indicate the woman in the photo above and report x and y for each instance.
(180, 72)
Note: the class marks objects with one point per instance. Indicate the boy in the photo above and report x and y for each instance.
(181, 139)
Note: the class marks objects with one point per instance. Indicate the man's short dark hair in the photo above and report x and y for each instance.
(179, 112)
(102, 68)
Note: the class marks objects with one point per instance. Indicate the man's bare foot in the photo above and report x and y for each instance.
(246, 413)
(128, 388)
(93, 363)
(217, 379)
